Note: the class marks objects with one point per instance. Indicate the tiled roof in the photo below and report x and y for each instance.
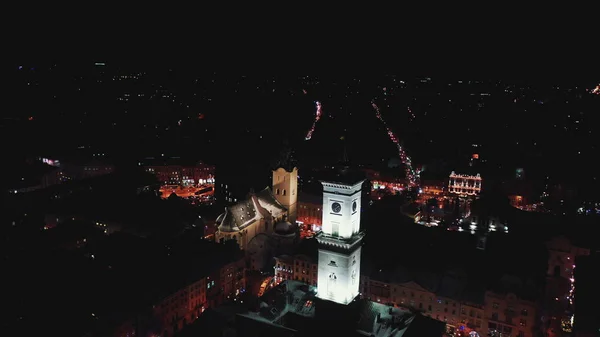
(238, 216)
(256, 206)
(266, 197)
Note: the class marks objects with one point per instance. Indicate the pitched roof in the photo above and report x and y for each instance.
(267, 199)
(239, 216)
(256, 206)
(414, 285)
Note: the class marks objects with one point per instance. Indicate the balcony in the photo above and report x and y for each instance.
(337, 242)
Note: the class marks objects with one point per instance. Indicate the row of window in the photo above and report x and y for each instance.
(510, 310)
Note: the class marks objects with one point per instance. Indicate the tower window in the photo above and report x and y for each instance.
(277, 191)
(283, 192)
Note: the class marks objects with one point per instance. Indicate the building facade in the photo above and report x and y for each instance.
(493, 314)
(340, 242)
(561, 256)
(183, 175)
(260, 212)
(297, 267)
(464, 185)
(174, 311)
(310, 211)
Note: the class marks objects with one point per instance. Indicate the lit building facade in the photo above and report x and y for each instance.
(509, 315)
(298, 267)
(464, 185)
(261, 212)
(310, 211)
(60, 172)
(340, 242)
(561, 256)
(494, 314)
(183, 175)
(183, 306)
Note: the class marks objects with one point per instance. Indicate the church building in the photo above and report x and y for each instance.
(271, 211)
(334, 307)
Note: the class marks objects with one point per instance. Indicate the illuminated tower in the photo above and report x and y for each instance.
(340, 240)
(285, 189)
(285, 180)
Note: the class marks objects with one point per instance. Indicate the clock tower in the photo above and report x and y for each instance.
(340, 240)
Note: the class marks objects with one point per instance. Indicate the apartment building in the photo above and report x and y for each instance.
(297, 267)
(468, 309)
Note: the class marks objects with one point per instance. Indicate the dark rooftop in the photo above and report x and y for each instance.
(133, 262)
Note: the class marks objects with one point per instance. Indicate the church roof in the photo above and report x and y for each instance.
(267, 199)
(238, 216)
(257, 206)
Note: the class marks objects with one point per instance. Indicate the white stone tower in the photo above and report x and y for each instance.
(340, 241)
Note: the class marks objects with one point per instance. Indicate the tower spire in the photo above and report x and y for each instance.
(345, 161)
(285, 158)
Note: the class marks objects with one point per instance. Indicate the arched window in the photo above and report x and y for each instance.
(277, 191)
(283, 192)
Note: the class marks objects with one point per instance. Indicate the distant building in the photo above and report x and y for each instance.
(183, 175)
(432, 189)
(464, 185)
(46, 172)
(561, 256)
(310, 210)
(517, 201)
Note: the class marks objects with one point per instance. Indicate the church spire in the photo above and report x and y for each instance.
(285, 159)
(345, 160)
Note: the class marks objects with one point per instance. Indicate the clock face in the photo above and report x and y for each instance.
(336, 207)
(354, 206)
